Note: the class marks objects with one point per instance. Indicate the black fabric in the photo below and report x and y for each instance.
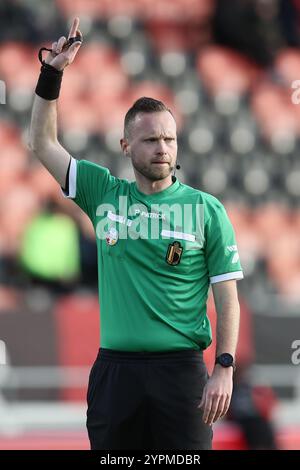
(142, 401)
(66, 187)
(49, 82)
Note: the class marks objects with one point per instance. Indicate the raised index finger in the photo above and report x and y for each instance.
(74, 28)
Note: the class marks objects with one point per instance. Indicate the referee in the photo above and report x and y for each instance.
(160, 245)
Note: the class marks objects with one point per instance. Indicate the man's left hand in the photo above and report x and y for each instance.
(217, 394)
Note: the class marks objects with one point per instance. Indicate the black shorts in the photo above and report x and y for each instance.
(147, 401)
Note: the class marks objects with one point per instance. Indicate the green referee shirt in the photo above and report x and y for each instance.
(157, 255)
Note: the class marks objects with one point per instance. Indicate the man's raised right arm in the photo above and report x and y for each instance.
(43, 140)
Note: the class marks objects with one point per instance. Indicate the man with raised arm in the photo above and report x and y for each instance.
(160, 245)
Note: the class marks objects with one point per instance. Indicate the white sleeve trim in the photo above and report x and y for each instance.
(227, 276)
(72, 180)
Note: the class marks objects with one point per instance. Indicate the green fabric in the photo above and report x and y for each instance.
(145, 303)
(50, 248)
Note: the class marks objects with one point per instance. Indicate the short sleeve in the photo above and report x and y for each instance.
(88, 183)
(222, 257)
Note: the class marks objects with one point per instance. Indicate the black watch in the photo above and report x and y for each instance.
(225, 360)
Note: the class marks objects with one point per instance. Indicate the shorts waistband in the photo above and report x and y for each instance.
(112, 354)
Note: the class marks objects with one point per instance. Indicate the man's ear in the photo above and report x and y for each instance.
(125, 147)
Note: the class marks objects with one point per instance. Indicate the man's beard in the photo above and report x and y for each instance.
(153, 172)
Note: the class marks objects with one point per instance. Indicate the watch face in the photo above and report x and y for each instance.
(226, 359)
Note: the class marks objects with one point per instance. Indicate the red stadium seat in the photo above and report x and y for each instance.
(284, 245)
(159, 92)
(168, 36)
(111, 113)
(249, 243)
(19, 65)
(177, 9)
(13, 55)
(178, 25)
(78, 114)
(98, 74)
(238, 214)
(279, 236)
(26, 77)
(286, 277)
(110, 84)
(270, 221)
(94, 57)
(287, 64)
(284, 262)
(75, 84)
(148, 88)
(274, 110)
(224, 70)
(72, 8)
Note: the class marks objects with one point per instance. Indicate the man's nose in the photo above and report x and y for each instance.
(161, 147)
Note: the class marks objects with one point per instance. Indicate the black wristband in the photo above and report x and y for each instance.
(49, 82)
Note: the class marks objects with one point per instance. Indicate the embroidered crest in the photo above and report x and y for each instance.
(112, 236)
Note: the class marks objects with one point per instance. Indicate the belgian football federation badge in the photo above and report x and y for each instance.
(174, 253)
(112, 236)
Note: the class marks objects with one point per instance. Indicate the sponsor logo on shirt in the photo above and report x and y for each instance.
(150, 215)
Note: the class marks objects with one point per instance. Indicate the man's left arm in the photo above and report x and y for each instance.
(218, 390)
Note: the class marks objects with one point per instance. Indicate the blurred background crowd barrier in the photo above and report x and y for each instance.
(229, 70)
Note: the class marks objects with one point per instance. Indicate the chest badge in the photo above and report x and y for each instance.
(112, 236)
(174, 253)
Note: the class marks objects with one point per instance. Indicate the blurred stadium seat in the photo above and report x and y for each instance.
(287, 65)
(223, 70)
(178, 9)
(13, 58)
